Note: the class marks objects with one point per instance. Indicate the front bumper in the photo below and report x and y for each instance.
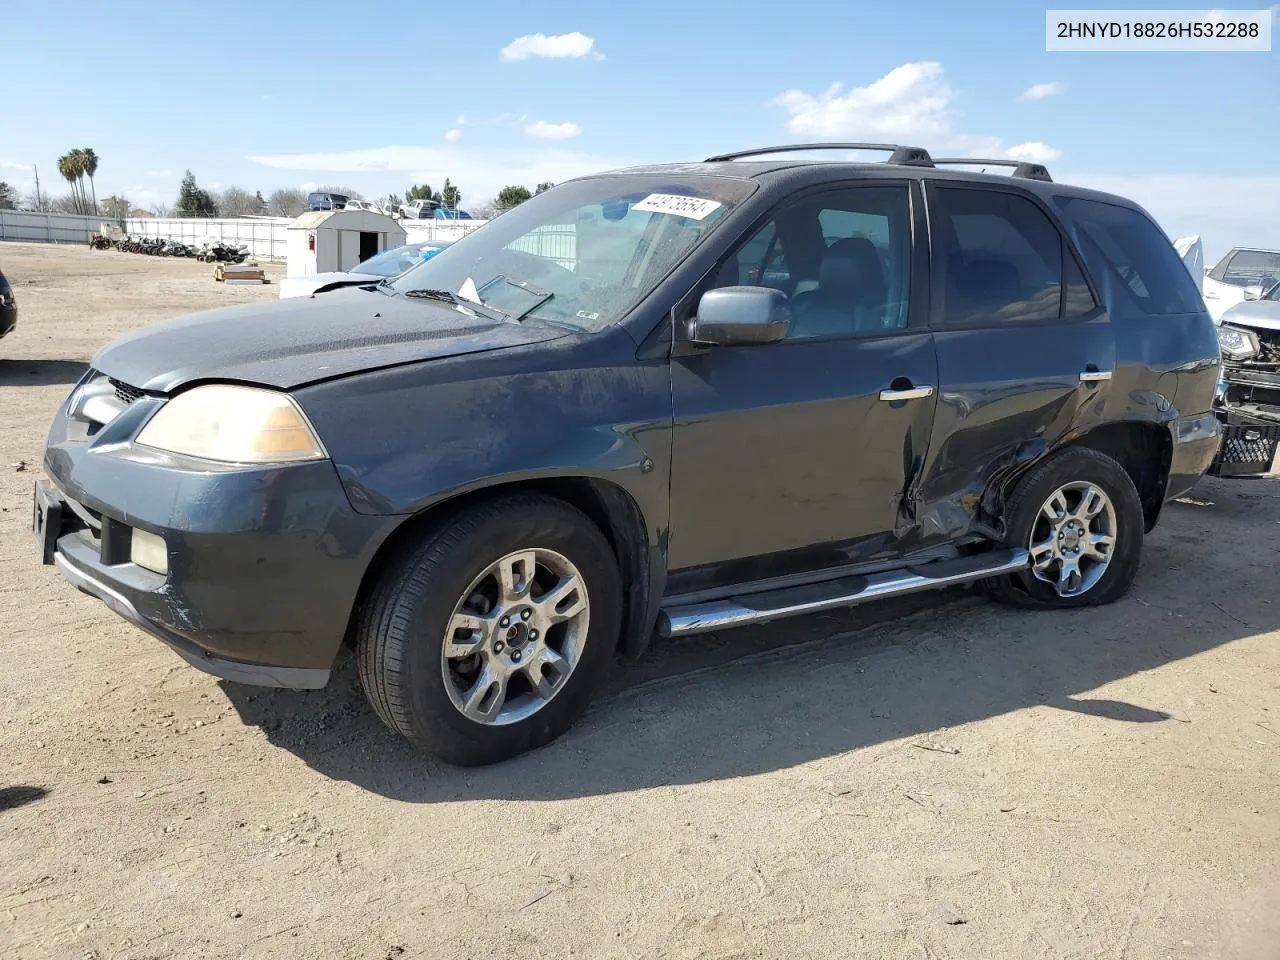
(1250, 444)
(264, 564)
(1249, 410)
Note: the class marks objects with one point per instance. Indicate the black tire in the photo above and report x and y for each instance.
(1075, 464)
(401, 626)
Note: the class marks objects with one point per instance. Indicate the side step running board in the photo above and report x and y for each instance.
(843, 592)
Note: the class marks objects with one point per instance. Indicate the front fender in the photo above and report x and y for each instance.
(407, 438)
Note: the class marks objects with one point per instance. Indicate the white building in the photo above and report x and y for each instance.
(334, 241)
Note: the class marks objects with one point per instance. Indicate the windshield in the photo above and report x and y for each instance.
(392, 263)
(584, 253)
(1250, 266)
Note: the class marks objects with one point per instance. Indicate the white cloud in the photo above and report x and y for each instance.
(559, 46)
(498, 120)
(480, 173)
(453, 136)
(12, 165)
(1033, 152)
(161, 174)
(553, 131)
(1038, 91)
(910, 104)
(1226, 211)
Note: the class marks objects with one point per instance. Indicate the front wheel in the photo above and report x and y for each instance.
(489, 636)
(1081, 520)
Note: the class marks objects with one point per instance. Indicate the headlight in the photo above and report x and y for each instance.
(1237, 344)
(234, 425)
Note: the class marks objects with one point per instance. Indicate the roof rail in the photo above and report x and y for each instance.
(1021, 168)
(908, 156)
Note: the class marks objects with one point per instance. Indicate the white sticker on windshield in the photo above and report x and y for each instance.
(691, 208)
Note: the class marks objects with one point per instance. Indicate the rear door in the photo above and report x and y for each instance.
(1025, 352)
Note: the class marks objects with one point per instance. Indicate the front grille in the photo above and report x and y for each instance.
(124, 392)
(1247, 449)
(1268, 345)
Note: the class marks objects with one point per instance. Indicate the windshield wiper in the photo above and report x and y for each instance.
(444, 296)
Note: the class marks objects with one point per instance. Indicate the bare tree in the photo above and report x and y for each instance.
(67, 203)
(287, 202)
(235, 202)
(41, 203)
(162, 209)
(486, 211)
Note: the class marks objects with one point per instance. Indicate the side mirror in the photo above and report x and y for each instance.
(1253, 292)
(740, 316)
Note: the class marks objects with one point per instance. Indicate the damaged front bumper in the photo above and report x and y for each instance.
(1248, 407)
(261, 565)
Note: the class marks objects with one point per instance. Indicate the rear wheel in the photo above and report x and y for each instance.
(489, 637)
(1080, 518)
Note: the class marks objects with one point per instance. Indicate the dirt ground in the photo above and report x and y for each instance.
(936, 778)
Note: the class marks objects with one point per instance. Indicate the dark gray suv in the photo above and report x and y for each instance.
(667, 399)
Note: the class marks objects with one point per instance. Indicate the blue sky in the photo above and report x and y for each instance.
(262, 95)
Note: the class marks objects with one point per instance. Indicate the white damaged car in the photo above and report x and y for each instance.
(386, 265)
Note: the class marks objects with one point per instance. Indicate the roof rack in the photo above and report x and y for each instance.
(1021, 168)
(908, 156)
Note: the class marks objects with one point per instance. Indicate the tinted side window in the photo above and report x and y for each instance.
(1132, 261)
(761, 263)
(1002, 258)
(842, 256)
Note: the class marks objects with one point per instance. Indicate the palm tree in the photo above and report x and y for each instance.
(77, 165)
(90, 168)
(67, 167)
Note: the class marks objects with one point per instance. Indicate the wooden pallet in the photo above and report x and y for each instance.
(239, 273)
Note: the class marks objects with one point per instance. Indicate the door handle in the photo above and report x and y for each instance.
(1095, 376)
(913, 393)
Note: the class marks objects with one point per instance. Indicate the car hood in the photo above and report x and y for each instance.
(289, 343)
(1262, 314)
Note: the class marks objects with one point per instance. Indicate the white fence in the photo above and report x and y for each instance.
(264, 236)
(47, 227)
(422, 231)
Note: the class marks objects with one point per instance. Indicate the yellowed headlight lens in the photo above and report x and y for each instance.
(233, 424)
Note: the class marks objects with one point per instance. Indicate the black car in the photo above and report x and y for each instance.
(8, 307)
(323, 200)
(667, 399)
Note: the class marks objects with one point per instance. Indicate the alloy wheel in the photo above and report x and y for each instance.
(1073, 538)
(515, 636)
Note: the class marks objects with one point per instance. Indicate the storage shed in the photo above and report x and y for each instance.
(334, 241)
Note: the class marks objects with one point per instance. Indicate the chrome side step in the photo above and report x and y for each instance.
(843, 592)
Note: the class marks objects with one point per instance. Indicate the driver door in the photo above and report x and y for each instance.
(797, 455)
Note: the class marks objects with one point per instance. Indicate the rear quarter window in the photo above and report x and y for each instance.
(1132, 261)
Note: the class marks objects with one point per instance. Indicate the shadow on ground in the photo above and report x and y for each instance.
(40, 373)
(13, 797)
(762, 699)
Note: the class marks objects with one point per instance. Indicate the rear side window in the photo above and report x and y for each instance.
(1003, 260)
(1139, 272)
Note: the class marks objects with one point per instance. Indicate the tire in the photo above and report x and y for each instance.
(1077, 467)
(401, 631)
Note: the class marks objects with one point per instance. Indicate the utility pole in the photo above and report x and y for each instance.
(37, 173)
